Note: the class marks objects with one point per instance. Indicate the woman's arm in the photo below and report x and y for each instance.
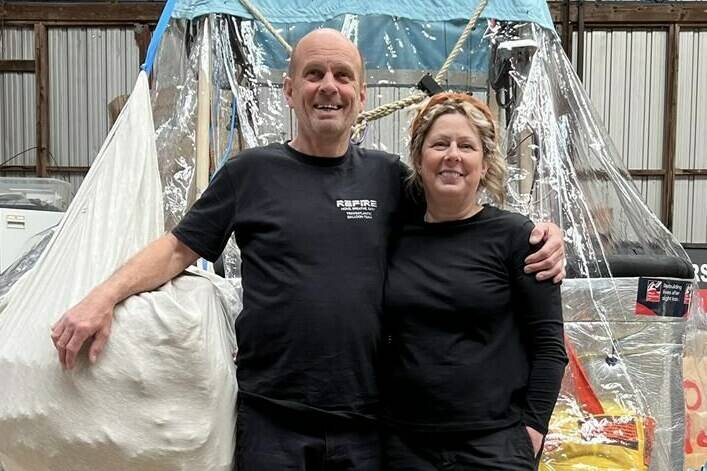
(539, 309)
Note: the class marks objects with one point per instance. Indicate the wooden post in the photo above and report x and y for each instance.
(41, 80)
(566, 28)
(670, 123)
(143, 35)
(580, 40)
(203, 111)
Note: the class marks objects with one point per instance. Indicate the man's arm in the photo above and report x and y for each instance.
(91, 319)
(549, 261)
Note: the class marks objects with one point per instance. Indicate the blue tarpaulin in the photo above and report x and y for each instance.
(309, 11)
(392, 43)
(392, 35)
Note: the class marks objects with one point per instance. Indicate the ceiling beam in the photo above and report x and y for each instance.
(595, 12)
(626, 13)
(17, 65)
(93, 13)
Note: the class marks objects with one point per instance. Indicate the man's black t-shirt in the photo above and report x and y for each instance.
(476, 344)
(313, 235)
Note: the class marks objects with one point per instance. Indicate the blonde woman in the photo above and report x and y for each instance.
(476, 351)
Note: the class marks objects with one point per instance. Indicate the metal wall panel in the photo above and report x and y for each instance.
(16, 43)
(88, 67)
(17, 98)
(651, 189)
(690, 210)
(691, 137)
(624, 74)
(17, 118)
(689, 221)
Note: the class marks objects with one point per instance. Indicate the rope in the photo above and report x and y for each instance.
(471, 24)
(384, 110)
(259, 16)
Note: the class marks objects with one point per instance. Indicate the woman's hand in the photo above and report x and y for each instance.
(536, 438)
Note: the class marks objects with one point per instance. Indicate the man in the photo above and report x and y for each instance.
(311, 218)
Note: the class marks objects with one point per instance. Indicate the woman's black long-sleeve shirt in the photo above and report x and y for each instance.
(475, 343)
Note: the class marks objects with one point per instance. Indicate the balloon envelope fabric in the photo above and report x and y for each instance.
(162, 394)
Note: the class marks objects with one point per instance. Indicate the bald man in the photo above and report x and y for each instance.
(312, 218)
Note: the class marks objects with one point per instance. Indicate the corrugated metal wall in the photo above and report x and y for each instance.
(624, 74)
(17, 98)
(88, 67)
(690, 208)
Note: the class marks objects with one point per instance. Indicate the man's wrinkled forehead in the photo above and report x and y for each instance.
(341, 44)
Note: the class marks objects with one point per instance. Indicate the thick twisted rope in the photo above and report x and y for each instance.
(384, 110)
(259, 16)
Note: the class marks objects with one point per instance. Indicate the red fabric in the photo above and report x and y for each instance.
(585, 393)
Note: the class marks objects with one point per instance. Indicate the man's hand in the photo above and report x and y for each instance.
(549, 261)
(536, 438)
(90, 320)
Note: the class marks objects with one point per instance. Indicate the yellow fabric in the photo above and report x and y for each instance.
(615, 441)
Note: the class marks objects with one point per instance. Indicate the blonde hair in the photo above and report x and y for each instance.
(480, 119)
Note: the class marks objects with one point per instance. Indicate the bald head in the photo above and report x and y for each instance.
(330, 37)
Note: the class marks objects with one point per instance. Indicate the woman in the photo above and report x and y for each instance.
(476, 345)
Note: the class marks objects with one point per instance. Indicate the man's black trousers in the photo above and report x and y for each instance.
(273, 438)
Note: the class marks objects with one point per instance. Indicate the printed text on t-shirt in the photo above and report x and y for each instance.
(357, 209)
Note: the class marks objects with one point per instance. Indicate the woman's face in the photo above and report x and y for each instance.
(451, 163)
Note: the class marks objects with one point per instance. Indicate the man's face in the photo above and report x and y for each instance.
(325, 89)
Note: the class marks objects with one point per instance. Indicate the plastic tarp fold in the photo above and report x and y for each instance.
(162, 395)
(304, 11)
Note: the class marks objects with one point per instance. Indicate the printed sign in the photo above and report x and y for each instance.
(653, 291)
(663, 297)
(698, 255)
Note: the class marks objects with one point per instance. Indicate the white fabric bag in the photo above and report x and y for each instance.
(162, 394)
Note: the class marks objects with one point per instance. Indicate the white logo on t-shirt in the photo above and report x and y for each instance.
(357, 209)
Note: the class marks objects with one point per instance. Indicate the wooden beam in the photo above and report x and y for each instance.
(647, 172)
(95, 13)
(92, 13)
(17, 66)
(693, 172)
(31, 168)
(670, 122)
(626, 12)
(41, 80)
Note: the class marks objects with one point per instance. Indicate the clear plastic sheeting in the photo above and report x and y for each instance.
(565, 168)
(25, 262)
(173, 97)
(598, 419)
(622, 402)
